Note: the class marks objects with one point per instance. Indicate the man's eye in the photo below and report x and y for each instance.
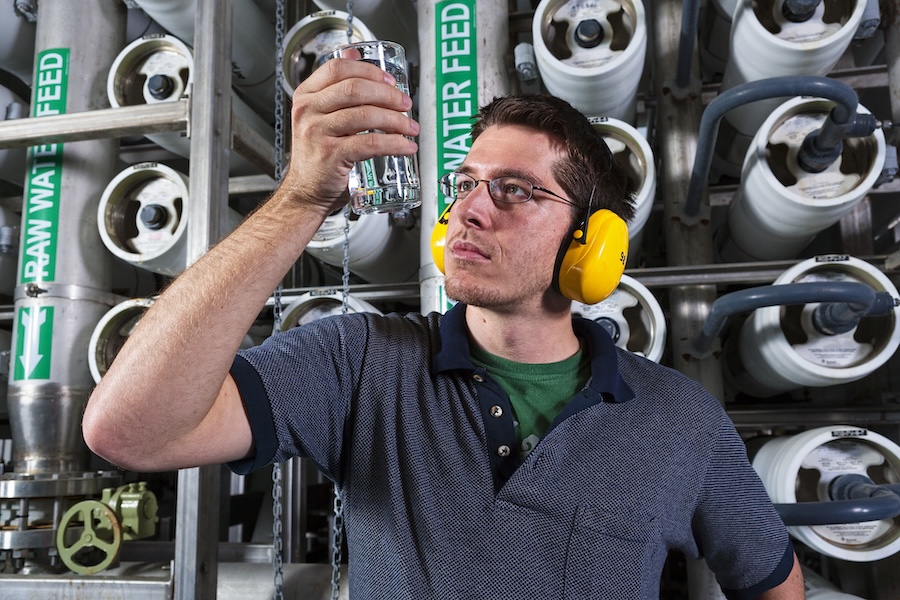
(514, 190)
(464, 186)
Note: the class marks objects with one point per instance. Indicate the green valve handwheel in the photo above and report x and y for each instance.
(99, 542)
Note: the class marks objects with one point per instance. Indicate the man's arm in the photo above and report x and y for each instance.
(791, 588)
(168, 400)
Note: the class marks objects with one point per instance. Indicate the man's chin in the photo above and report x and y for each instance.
(470, 293)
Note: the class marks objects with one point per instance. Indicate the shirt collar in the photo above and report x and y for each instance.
(605, 377)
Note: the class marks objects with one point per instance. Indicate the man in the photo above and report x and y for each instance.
(446, 494)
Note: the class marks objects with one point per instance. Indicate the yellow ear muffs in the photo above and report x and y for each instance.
(591, 266)
(439, 237)
(593, 263)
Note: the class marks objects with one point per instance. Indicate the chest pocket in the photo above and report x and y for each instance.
(613, 557)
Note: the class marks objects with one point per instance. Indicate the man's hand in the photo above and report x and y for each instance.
(340, 99)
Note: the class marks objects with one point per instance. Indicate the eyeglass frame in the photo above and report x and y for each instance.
(491, 182)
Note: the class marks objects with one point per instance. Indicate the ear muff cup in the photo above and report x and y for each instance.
(439, 237)
(589, 271)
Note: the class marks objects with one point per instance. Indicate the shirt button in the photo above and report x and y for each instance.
(477, 377)
(496, 411)
(503, 451)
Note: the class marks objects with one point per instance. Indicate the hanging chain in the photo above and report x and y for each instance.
(277, 542)
(349, 21)
(337, 529)
(277, 468)
(337, 542)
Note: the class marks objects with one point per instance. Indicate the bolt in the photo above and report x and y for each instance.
(589, 33)
(154, 216)
(160, 86)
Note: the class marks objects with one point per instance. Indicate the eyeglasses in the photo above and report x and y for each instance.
(508, 190)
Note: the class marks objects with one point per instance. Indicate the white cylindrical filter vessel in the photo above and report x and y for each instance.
(469, 47)
(111, 333)
(592, 53)
(141, 217)
(393, 20)
(780, 349)
(159, 68)
(311, 38)
(312, 306)
(799, 468)
(17, 36)
(779, 208)
(252, 46)
(114, 328)
(380, 251)
(12, 160)
(634, 156)
(765, 44)
(632, 316)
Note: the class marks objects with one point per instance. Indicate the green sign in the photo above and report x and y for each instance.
(456, 48)
(40, 220)
(40, 210)
(34, 337)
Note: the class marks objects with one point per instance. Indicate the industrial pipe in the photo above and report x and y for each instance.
(842, 94)
(859, 530)
(853, 299)
(64, 278)
(689, 25)
(799, 178)
(764, 44)
(779, 349)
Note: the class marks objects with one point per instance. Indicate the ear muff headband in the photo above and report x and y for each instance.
(592, 264)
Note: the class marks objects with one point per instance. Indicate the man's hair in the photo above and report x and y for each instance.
(588, 162)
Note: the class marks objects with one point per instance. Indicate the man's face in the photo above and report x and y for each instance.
(502, 256)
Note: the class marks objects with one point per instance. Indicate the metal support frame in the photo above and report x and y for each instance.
(197, 526)
(686, 243)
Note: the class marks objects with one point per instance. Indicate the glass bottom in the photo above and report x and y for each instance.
(365, 201)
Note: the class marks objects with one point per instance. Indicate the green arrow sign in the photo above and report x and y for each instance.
(34, 334)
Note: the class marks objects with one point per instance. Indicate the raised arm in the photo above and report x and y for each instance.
(167, 400)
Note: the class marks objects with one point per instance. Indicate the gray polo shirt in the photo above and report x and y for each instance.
(640, 462)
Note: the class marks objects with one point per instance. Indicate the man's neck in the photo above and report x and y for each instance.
(537, 336)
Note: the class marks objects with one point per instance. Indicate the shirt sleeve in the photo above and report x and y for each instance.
(736, 527)
(297, 388)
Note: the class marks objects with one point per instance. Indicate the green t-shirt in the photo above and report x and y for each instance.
(537, 392)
